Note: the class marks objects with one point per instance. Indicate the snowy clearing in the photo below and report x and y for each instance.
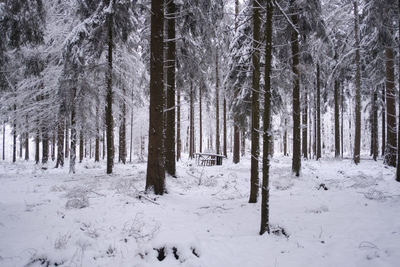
(335, 214)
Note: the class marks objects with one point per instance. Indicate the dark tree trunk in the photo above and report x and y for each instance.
(267, 136)
(178, 125)
(391, 128)
(225, 134)
(398, 130)
(14, 158)
(72, 156)
(337, 124)
(243, 146)
(357, 136)
(255, 105)
(191, 123)
(296, 159)
(26, 143)
(109, 98)
(217, 144)
(155, 179)
(122, 132)
(200, 122)
(342, 124)
(4, 141)
(80, 146)
(20, 145)
(131, 139)
(37, 147)
(305, 125)
(53, 146)
(170, 162)
(285, 153)
(97, 145)
(236, 130)
(60, 141)
(45, 145)
(318, 120)
(375, 125)
(383, 120)
(66, 154)
(104, 144)
(236, 144)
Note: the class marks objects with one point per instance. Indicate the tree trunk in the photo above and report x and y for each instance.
(72, 157)
(255, 105)
(318, 135)
(217, 144)
(285, 153)
(109, 98)
(375, 125)
(80, 146)
(200, 122)
(131, 139)
(305, 124)
(14, 158)
(398, 130)
(191, 122)
(66, 154)
(337, 125)
(225, 134)
(236, 130)
(53, 146)
(122, 132)
(37, 145)
(342, 124)
(4, 141)
(45, 145)
(296, 159)
(170, 162)
(391, 128)
(178, 125)
(60, 141)
(243, 146)
(267, 136)
(26, 143)
(155, 179)
(20, 145)
(357, 136)
(97, 142)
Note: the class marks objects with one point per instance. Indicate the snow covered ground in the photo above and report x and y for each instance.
(51, 218)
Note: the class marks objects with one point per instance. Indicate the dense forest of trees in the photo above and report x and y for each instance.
(200, 76)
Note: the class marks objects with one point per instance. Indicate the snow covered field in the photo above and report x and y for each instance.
(50, 218)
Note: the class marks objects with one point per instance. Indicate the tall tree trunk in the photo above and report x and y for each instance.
(243, 146)
(178, 125)
(398, 130)
(337, 124)
(357, 136)
(217, 144)
(225, 134)
(45, 145)
(4, 141)
(375, 125)
(155, 179)
(97, 142)
(14, 158)
(66, 154)
(20, 145)
(26, 143)
(104, 144)
(200, 121)
(236, 129)
(305, 124)
(267, 136)
(342, 124)
(122, 132)
(191, 122)
(170, 162)
(53, 146)
(131, 139)
(296, 159)
(80, 146)
(391, 128)
(285, 153)
(72, 156)
(318, 120)
(60, 141)
(109, 97)
(37, 147)
(255, 105)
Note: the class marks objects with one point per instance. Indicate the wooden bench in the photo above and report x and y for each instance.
(208, 159)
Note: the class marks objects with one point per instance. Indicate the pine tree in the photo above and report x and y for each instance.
(357, 136)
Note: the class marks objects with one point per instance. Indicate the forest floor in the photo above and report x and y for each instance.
(51, 218)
